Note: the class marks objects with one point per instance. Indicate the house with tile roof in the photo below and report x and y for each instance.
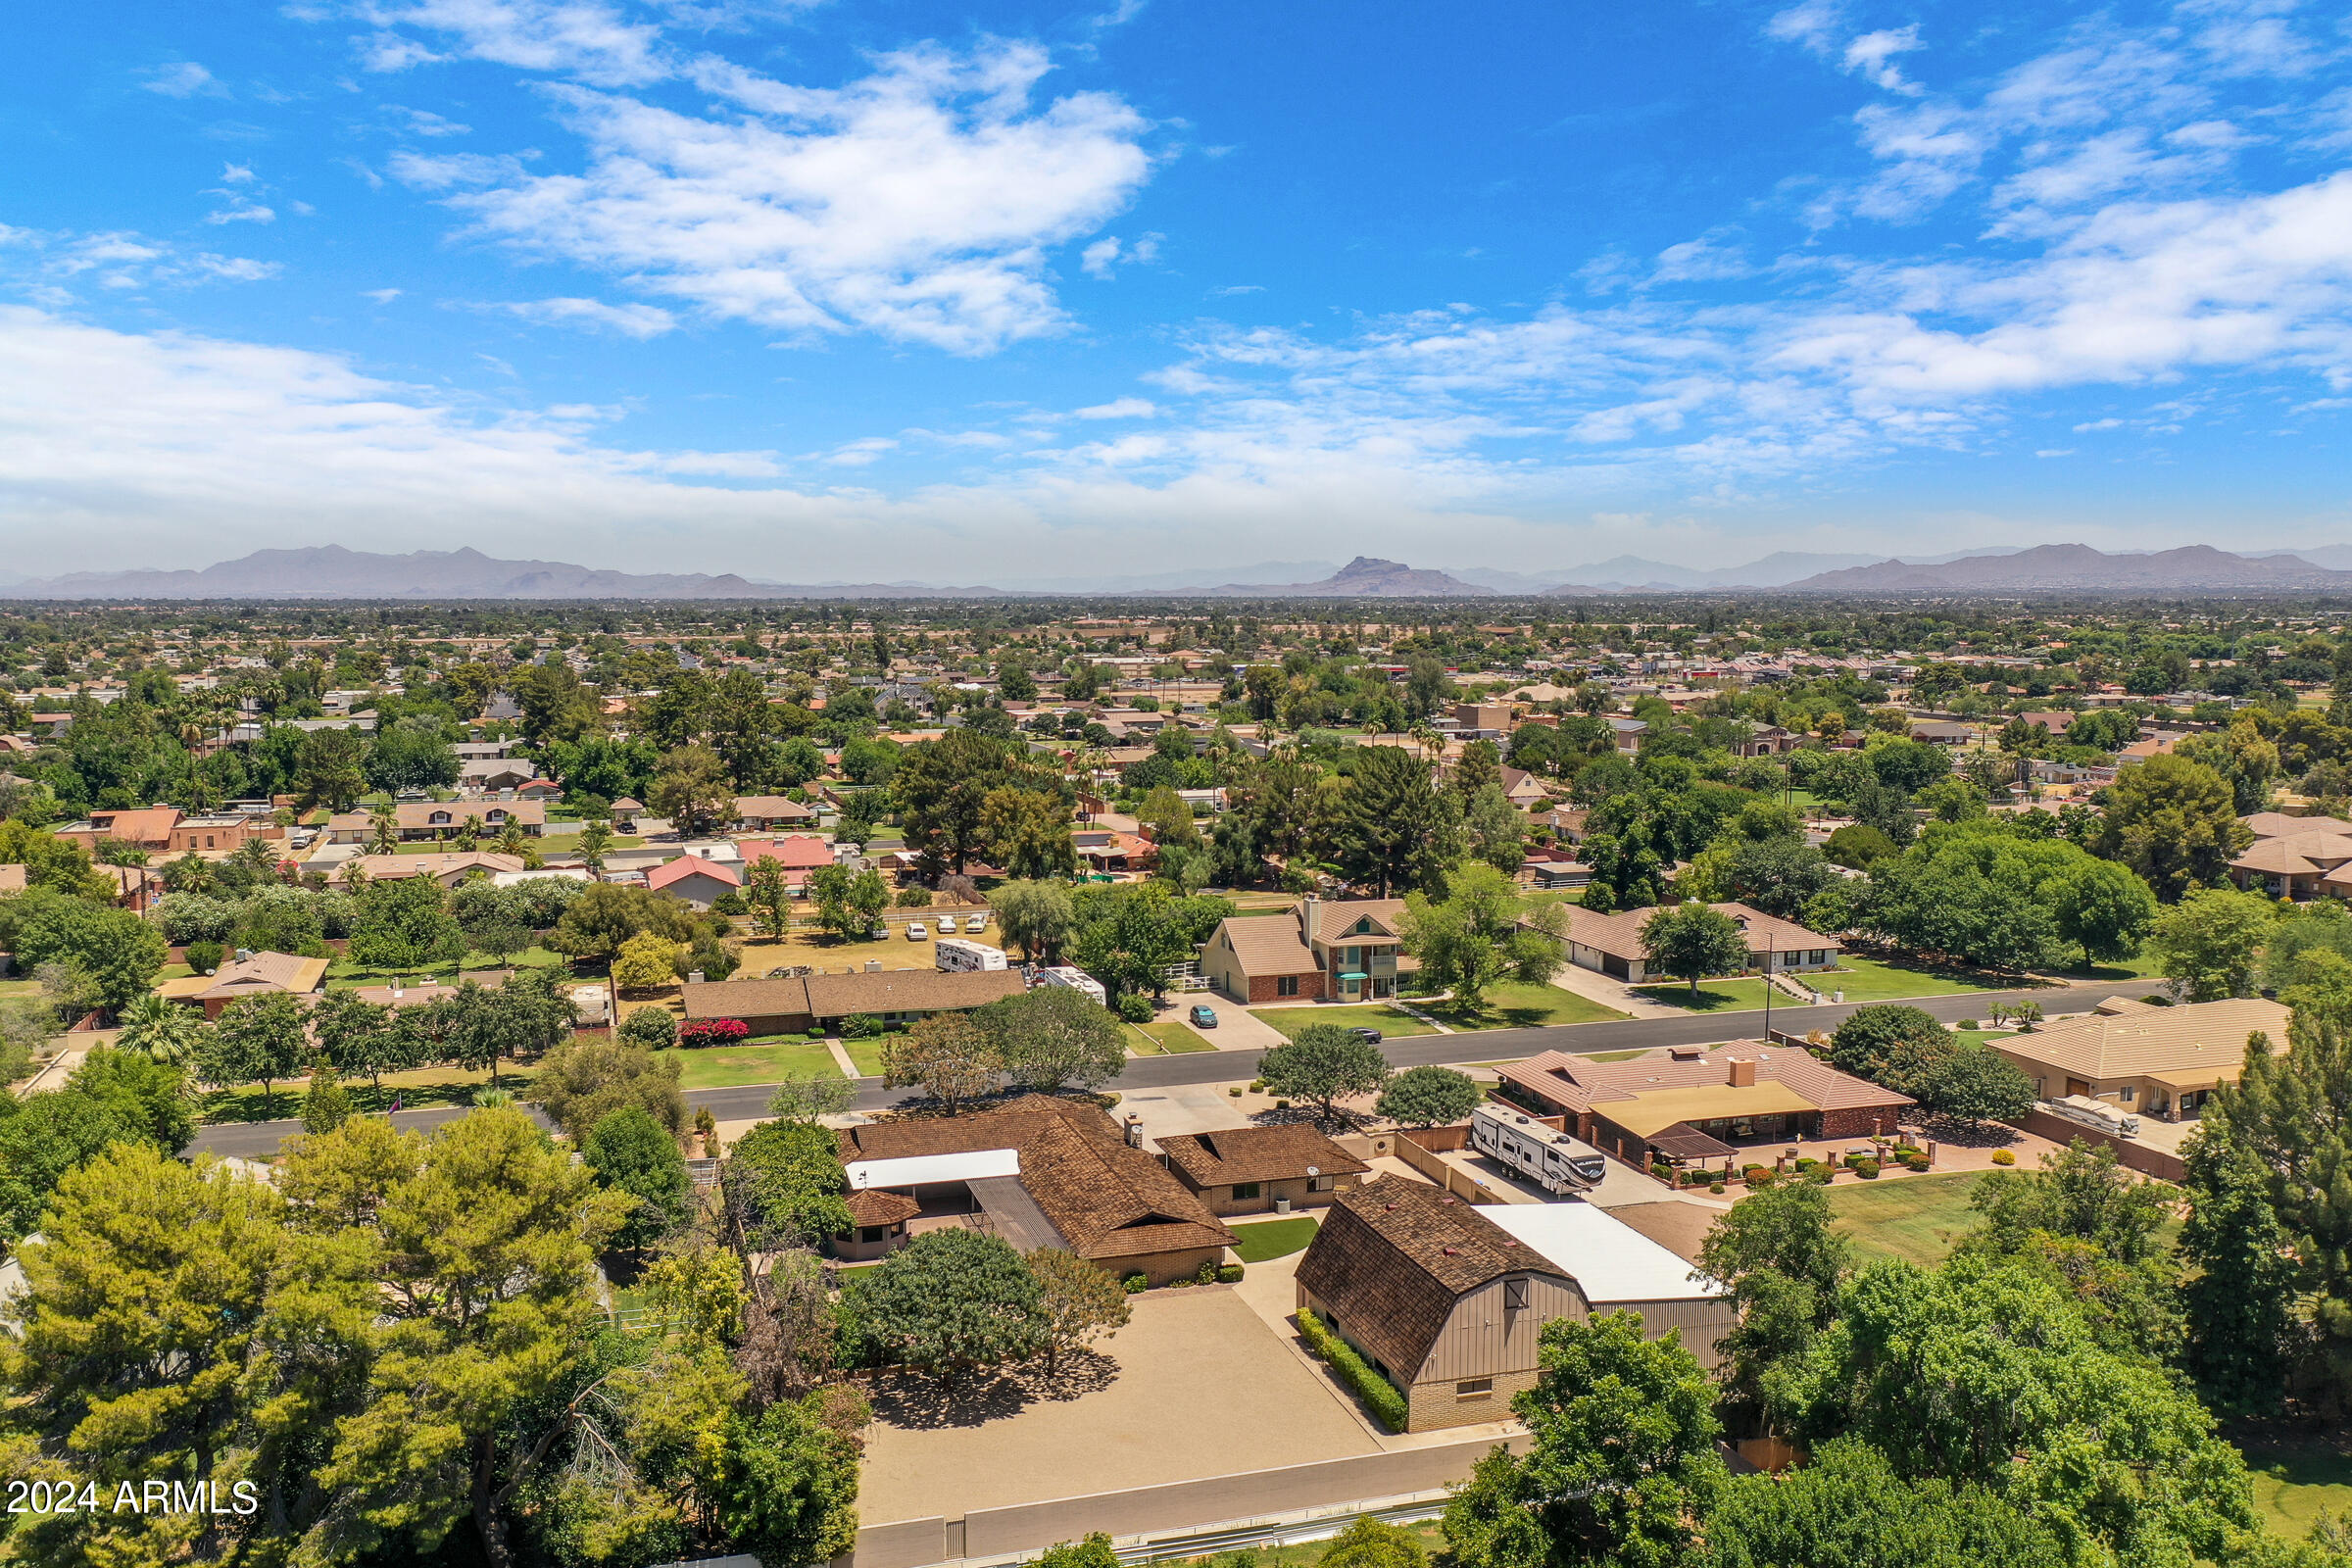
(1680, 1103)
(694, 880)
(1250, 1170)
(2310, 863)
(1447, 1299)
(249, 974)
(1041, 1171)
(769, 813)
(2154, 1061)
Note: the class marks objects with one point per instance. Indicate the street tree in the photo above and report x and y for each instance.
(1053, 1036)
(2208, 944)
(1692, 941)
(1322, 1065)
(1429, 1096)
(944, 1054)
(259, 1038)
(586, 1079)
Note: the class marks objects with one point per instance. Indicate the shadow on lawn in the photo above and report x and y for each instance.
(916, 1400)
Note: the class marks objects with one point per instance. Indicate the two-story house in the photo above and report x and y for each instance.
(1316, 952)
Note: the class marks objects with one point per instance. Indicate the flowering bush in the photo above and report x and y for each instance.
(713, 1032)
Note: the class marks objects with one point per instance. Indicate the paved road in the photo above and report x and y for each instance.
(748, 1102)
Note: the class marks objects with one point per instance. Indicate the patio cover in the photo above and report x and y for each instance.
(1644, 1114)
(1682, 1141)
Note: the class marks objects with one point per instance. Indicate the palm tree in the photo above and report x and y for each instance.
(164, 1030)
(469, 833)
(595, 839)
(384, 829)
(511, 840)
(2027, 1015)
(1997, 1012)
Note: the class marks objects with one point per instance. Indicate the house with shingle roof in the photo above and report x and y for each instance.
(1041, 1171)
(1612, 942)
(795, 1005)
(1317, 951)
(1250, 1170)
(1687, 1103)
(1448, 1300)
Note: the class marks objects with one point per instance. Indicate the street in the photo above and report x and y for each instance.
(749, 1102)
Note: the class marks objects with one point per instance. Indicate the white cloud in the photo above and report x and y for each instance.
(381, 296)
(237, 175)
(1713, 257)
(1104, 255)
(1232, 289)
(916, 204)
(57, 261)
(579, 38)
(640, 321)
(1813, 24)
(424, 123)
(2055, 452)
(239, 209)
(1121, 408)
(183, 78)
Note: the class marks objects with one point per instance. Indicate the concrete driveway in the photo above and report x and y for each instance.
(1196, 1384)
(1239, 1029)
(1594, 986)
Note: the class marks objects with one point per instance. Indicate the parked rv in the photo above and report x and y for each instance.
(959, 956)
(1551, 1160)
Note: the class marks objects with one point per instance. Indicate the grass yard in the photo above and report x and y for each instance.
(2140, 966)
(1919, 1219)
(725, 1066)
(1387, 1019)
(428, 1086)
(868, 1054)
(1977, 1037)
(1171, 1039)
(1512, 1005)
(1268, 1240)
(342, 973)
(2296, 1475)
(1712, 996)
(1879, 980)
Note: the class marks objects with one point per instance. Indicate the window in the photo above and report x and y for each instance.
(2127, 1094)
(1474, 1388)
(874, 1232)
(1243, 1190)
(1514, 1296)
(1321, 1184)
(1286, 984)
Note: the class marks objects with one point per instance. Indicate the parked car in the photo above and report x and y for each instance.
(917, 931)
(1204, 1017)
(975, 922)
(1370, 1037)
(880, 932)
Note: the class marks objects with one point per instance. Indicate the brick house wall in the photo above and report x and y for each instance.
(1859, 1123)
(1437, 1403)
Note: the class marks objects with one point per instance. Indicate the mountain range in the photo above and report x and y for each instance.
(331, 571)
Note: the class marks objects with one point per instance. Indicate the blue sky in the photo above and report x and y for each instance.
(896, 292)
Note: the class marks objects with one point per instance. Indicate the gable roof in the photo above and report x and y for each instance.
(1394, 1255)
(799, 852)
(1106, 1199)
(770, 806)
(1619, 934)
(1267, 944)
(686, 865)
(1785, 1080)
(1257, 1155)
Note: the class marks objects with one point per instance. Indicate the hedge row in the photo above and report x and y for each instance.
(1379, 1395)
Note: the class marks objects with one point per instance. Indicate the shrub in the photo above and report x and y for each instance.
(1136, 1284)
(1966, 1023)
(1236, 1093)
(1715, 1187)
(914, 898)
(1134, 1007)
(653, 1028)
(701, 1032)
(1379, 1395)
(1281, 1104)
(1229, 1274)
(1867, 1169)
(1257, 1086)
(204, 957)
(731, 901)
(860, 1027)
(2003, 1156)
(1662, 1171)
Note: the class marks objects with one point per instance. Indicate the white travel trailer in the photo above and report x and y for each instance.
(1553, 1160)
(1076, 980)
(955, 954)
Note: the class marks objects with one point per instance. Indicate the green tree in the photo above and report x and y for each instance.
(1324, 1065)
(1692, 941)
(1053, 1036)
(631, 1153)
(1623, 1467)
(947, 1055)
(1481, 932)
(786, 1484)
(693, 790)
(1371, 1543)
(112, 954)
(2209, 943)
(765, 888)
(942, 787)
(950, 1303)
(605, 915)
(1890, 1043)
(328, 772)
(1781, 1257)
(365, 1037)
(258, 1039)
(1393, 828)
(1035, 916)
(1095, 1551)
(2104, 909)
(1081, 1302)
(644, 962)
(154, 1026)
(2174, 822)
(404, 924)
(2241, 1294)
(1846, 1507)
(1028, 832)
(784, 1185)
(830, 886)
(1975, 1083)
(492, 1234)
(1429, 1096)
(326, 1103)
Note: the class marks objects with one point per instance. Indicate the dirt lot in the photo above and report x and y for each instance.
(1196, 1384)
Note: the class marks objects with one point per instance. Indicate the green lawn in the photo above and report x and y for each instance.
(1171, 1039)
(725, 1066)
(2296, 1475)
(1712, 996)
(1512, 1005)
(1271, 1239)
(868, 1054)
(428, 1086)
(2140, 966)
(1879, 980)
(1919, 1219)
(1380, 1017)
(342, 973)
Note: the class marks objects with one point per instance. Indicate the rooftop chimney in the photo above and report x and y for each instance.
(1134, 1130)
(1743, 1073)
(1310, 915)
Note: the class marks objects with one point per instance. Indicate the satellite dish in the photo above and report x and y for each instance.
(1314, 1170)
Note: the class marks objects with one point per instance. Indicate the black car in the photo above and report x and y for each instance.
(1370, 1037)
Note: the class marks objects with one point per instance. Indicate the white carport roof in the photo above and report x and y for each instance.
(1610, 1259)
(916, 1170)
